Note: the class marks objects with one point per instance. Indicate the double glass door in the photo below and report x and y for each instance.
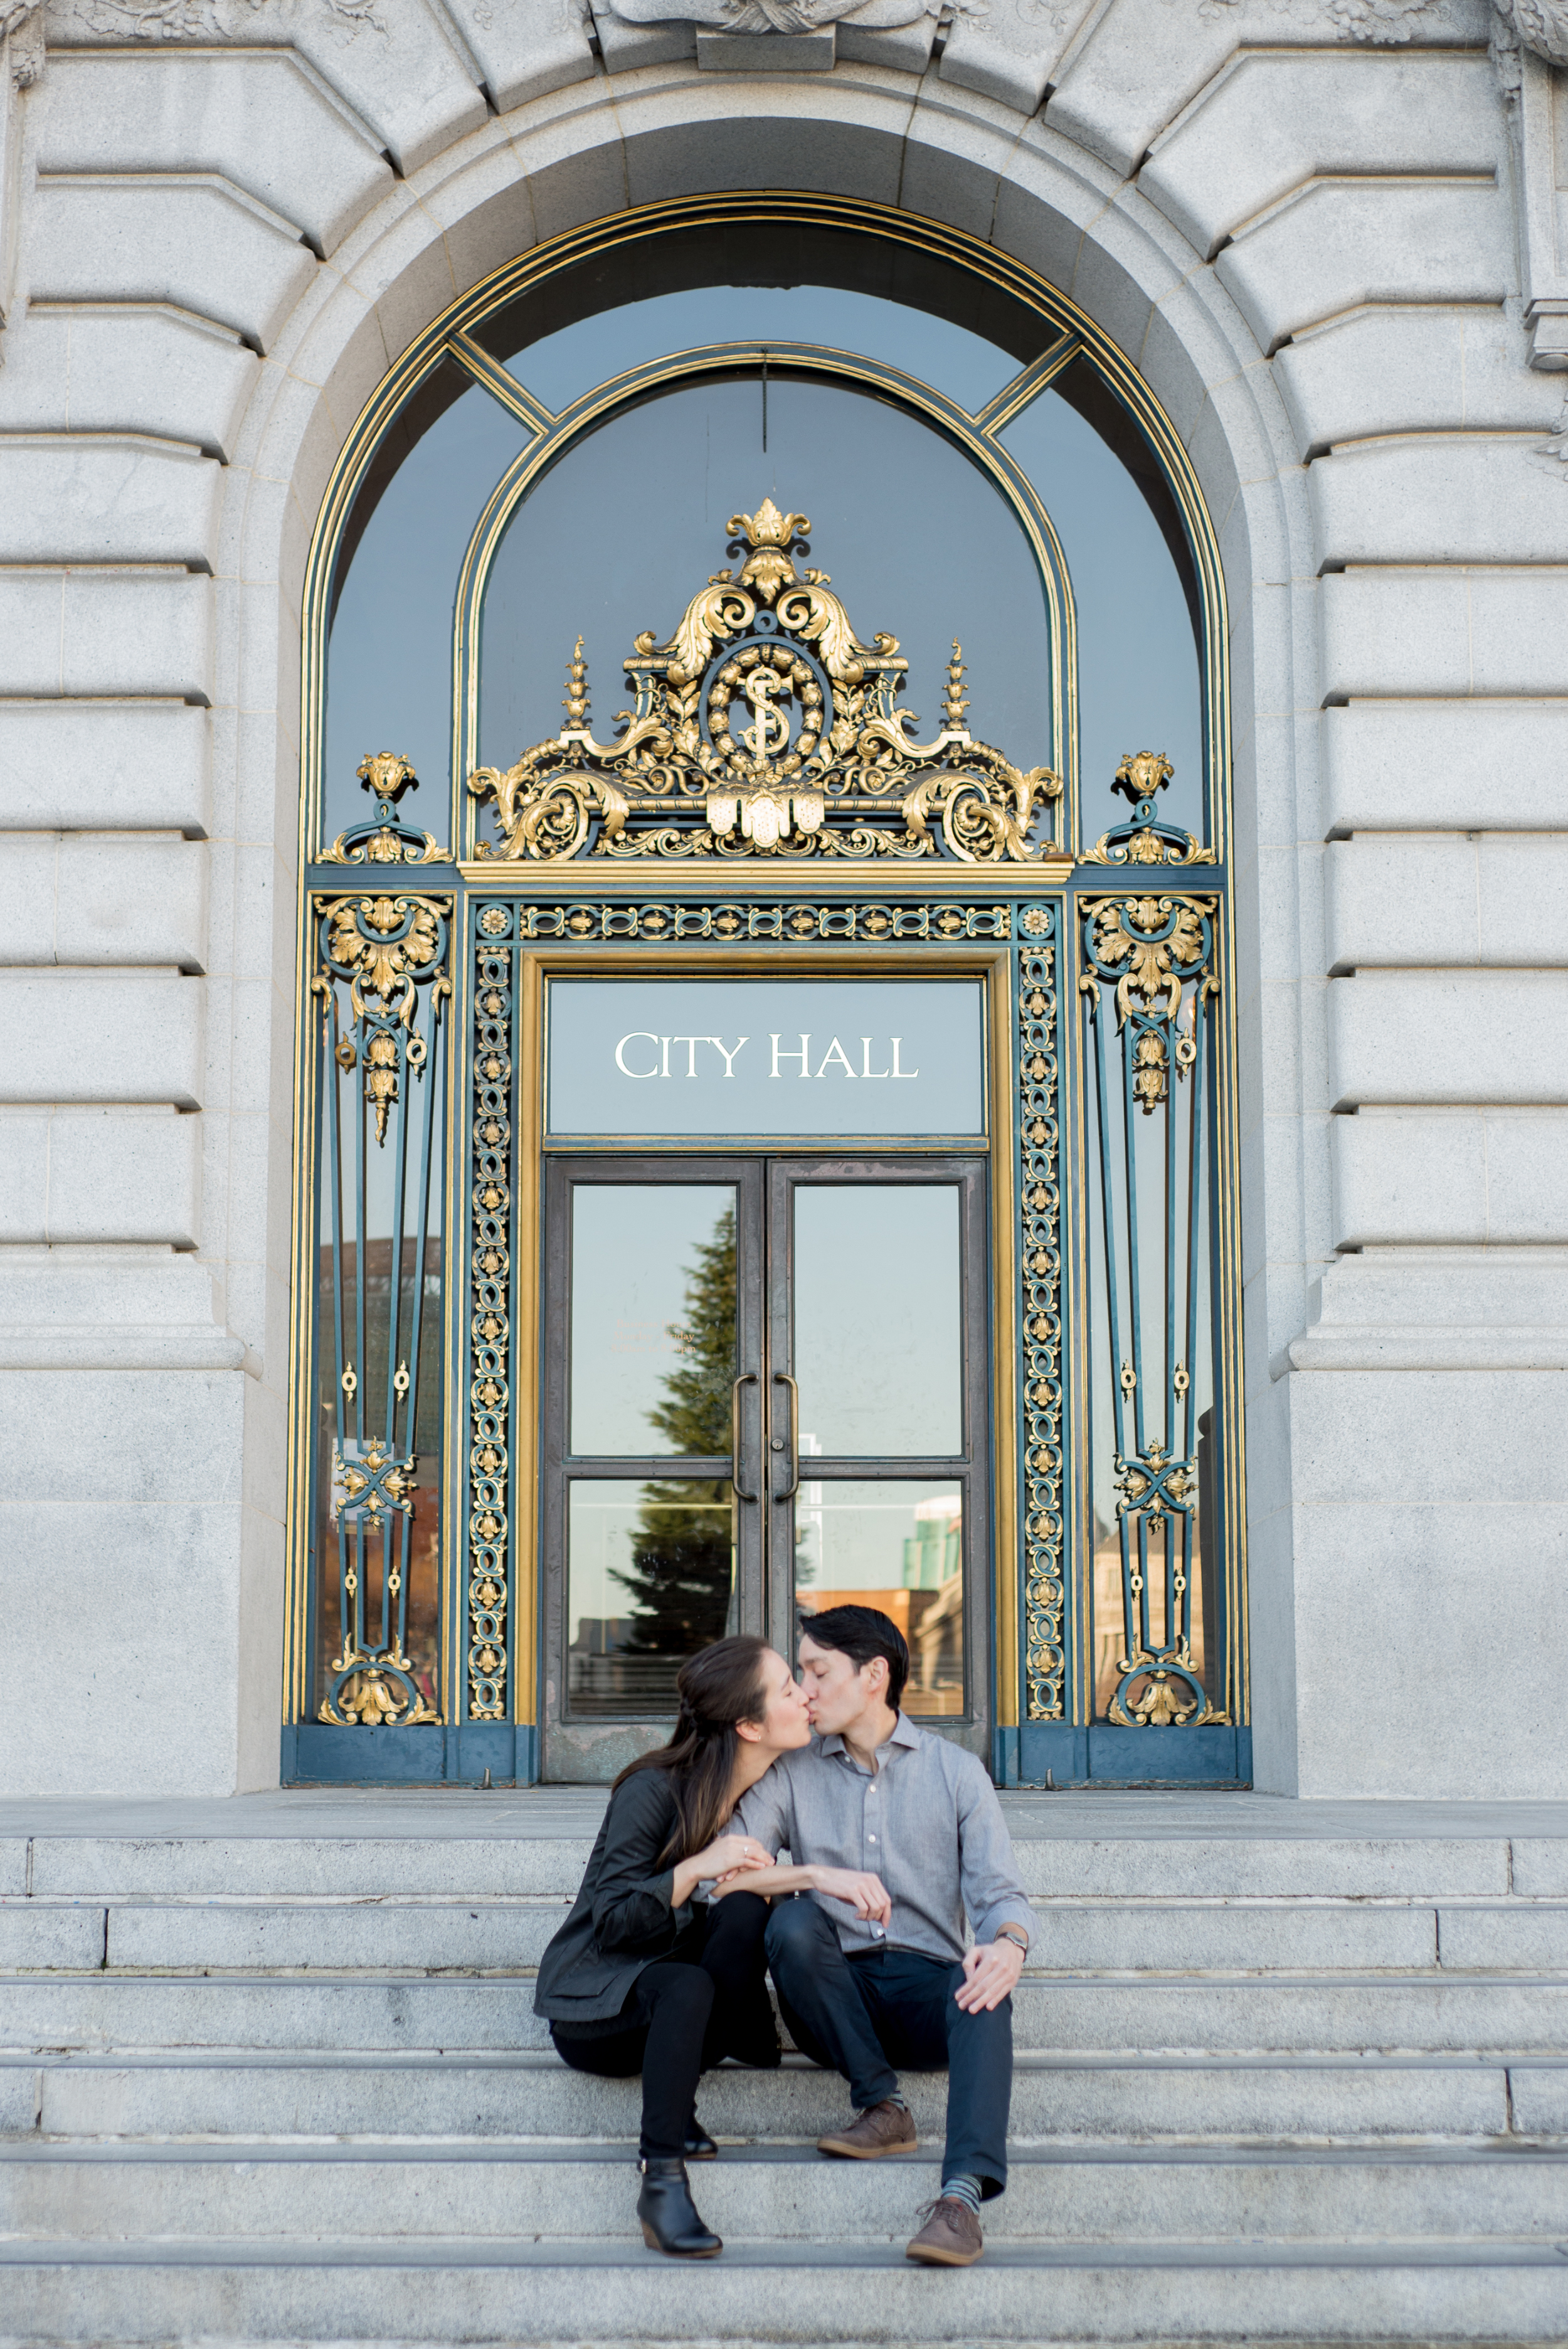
(765, 1395)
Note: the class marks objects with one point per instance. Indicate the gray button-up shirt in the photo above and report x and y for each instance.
(928, 1823)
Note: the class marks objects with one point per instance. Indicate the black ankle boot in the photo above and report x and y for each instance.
(669, 2216)
(699, 2146)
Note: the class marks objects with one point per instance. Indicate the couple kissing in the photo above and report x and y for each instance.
(897, 1844)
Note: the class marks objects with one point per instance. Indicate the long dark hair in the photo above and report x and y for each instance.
(716, 1688)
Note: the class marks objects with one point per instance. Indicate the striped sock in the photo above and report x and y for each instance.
(962, 2188)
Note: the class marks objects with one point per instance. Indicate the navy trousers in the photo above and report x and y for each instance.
(870, 2015)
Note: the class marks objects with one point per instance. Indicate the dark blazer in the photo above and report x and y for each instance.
(621, 1919)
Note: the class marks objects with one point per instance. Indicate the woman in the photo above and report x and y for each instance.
(640, 1979)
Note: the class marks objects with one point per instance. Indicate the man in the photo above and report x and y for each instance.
(861, 1993)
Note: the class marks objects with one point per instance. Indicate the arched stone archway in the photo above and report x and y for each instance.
(398, 271)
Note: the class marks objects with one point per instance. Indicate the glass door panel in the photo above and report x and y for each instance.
(650, 1578)
(652, 1318)
(897, 1547)
(879, 1350)
(879, 1492)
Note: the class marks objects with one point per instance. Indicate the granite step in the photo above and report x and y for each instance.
(1093, 2012)
(1078, 1847)
(508, 1933)
(288, 2093)
(827, 2294)
(1104, 2191)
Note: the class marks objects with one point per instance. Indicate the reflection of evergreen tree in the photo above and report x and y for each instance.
(679, 1575)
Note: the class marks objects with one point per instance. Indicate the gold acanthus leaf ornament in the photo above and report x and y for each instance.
(764, 725)
(383, 943)
(1152, 980)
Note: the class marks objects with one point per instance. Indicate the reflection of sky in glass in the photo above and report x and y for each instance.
(633, 1252)
(560, 367)
(914, 540)
(877, 1343)
(631, 521)
(1139, 681)
(389, 672)
(876, 1537)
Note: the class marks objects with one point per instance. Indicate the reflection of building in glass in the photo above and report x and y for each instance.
(605, 1676)
(1109, 1624)
(926, 1601)
(934, 1552)
(673, 1558)
(423, 1412)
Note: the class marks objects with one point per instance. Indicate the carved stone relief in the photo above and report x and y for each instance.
(1540, 25)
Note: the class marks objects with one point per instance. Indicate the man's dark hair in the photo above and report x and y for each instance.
(861, 1633)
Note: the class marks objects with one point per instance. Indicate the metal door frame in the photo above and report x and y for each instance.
(765, 1181)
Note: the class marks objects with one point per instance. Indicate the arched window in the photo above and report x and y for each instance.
(814, 623)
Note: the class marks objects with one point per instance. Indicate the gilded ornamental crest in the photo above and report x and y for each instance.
(763, 726)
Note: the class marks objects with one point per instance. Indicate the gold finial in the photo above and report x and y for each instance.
(387, 774)
(957, 700)
(1142, 774)
(769, 533)
(575, 703)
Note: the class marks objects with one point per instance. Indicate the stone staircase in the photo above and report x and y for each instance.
(269, 2072)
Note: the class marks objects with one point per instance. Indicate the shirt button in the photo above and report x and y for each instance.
(871, 1838)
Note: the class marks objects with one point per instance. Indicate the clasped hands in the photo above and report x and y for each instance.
(736, 1864)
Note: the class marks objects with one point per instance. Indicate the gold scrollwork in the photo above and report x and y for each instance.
(764, 726)
(385, 846)
(786, 922)
(1145, 841)
(1039, 1235)
(387, 774)
(1150, 949)
(387, 948)
(1146, 847)
(490, 1327)
(372, 1482)
(375, 1698)
(1172, 1695)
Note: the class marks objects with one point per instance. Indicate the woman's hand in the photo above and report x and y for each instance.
(731, 1853)
(727, 1857)
(866, 1895)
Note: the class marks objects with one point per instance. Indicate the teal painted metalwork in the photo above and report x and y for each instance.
(1040, 1275)
(1151, 950)
(381, 982)
(490, 1190)
(875, 924)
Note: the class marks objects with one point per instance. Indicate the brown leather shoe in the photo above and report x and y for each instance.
(884, 2128)
(949, 2238)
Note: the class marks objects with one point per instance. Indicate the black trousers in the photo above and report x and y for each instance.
(684, 2014)
(866, 2014)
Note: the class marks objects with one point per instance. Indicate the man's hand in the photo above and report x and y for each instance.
(991, 1973)
(866, 1895)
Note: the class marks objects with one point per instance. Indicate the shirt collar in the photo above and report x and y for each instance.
(904, 1732)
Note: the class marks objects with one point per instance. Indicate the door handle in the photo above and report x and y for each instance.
(746, 1379)
(783, 1377)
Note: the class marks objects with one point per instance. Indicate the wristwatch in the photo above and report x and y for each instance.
(1015, 1934)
